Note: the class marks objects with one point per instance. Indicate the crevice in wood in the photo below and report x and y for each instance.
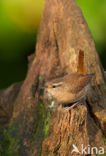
(3, 110)
(94, 117)
(57, 48)
(56, 149)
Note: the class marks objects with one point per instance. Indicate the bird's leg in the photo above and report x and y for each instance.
(73, 106)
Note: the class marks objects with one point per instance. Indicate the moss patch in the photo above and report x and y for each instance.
(46, 125)
(42, 127)
(105, 141)
(10, 139)
(8, 145)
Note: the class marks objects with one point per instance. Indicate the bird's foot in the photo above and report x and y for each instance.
(67, 109)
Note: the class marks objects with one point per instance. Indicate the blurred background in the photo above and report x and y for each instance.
(19, 22)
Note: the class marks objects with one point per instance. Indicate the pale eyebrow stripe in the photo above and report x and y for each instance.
(58, 84)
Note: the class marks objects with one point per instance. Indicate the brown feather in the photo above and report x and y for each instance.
(81, 67)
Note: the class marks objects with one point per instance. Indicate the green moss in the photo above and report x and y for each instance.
(9, 139)
(46, 124)
(42, 127)
(8, 145)
(42, 110)
(40, 78)
(45, 117)
(105, 140)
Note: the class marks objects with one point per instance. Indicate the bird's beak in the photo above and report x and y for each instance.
(42, 87)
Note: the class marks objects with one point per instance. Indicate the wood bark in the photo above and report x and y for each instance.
(62, 34)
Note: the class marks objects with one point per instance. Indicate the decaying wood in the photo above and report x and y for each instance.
(7, 98)
(62, 35)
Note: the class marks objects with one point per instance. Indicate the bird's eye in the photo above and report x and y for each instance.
(53, 86)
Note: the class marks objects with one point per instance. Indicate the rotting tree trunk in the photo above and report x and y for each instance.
(63, 33)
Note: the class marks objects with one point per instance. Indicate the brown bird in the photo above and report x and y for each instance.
(69, 89)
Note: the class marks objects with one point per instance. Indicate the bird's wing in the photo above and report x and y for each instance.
(80, 84)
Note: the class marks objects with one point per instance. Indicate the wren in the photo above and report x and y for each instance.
(69, 89)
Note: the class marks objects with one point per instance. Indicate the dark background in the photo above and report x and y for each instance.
(19, 22)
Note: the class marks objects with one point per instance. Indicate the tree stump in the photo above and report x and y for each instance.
(62, 35)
